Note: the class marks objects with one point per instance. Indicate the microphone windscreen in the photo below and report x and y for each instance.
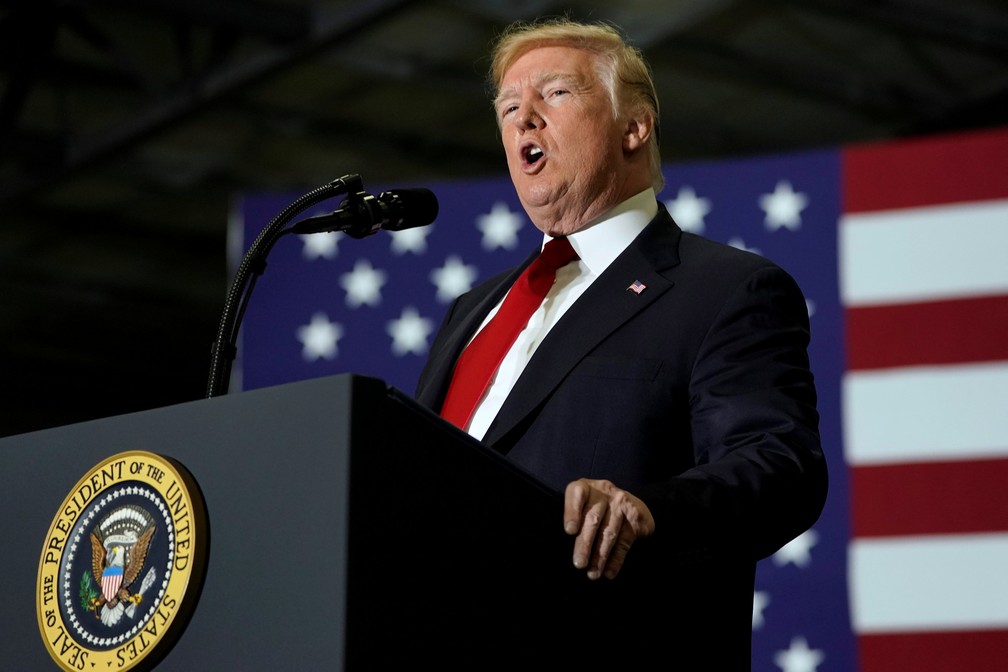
(414, 207)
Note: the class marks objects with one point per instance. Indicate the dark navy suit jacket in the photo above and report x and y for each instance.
(694, 394)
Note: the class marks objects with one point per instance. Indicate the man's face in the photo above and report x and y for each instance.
(564, 147)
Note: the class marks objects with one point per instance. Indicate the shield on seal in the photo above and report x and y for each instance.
(110, 581)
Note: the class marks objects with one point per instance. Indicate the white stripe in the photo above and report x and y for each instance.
(922, 254)
(916, 414)
(951, 582)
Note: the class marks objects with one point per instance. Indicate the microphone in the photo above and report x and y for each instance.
(361, 215)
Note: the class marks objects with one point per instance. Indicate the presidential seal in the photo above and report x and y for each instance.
(123, 564)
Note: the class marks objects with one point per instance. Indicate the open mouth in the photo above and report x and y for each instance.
(532, 154)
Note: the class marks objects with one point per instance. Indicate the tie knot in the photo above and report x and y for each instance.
(557, 253)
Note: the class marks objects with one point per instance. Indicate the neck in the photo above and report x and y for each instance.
(555, 221)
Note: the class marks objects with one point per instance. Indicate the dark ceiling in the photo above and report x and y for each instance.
(126, 128)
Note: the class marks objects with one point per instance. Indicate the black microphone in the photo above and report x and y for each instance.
(361, 215)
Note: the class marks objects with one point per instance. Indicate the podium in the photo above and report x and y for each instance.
(350, 529)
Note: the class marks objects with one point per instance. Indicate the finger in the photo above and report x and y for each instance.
(584, 543)
(605, 541)
(575, 498)
(618, 555)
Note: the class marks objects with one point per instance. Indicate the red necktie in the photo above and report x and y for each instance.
(479, 361)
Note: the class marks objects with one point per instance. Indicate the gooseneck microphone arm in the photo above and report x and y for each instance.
(359, 215)
(252, 266)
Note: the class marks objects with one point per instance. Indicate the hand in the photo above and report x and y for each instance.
(607, 521)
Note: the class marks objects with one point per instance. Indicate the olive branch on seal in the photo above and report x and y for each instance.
(88, 591)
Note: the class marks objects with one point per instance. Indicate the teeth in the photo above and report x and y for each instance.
(534, 154)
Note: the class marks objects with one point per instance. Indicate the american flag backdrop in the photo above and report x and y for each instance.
(901, 249)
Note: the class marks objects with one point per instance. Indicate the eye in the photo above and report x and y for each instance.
(556, 93)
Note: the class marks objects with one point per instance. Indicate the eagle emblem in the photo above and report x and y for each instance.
(119, 546)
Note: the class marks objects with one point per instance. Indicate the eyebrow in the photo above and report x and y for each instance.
(539, 80)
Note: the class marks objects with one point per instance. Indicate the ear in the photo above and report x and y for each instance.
(638, 131)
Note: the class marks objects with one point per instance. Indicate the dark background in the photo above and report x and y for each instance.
(127, 129)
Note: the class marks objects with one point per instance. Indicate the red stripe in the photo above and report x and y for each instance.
(934, 651)
(936, 332)
(926, 171)
(929, 498)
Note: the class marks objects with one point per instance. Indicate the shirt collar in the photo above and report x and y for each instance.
(605, 238)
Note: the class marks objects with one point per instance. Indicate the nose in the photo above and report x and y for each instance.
(527, 116)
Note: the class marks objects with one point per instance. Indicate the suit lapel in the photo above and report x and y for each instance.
(442, 363)
(603, 308)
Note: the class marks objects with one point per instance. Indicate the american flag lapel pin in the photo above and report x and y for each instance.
(637, 287)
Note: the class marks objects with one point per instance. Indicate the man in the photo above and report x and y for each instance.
(663, 385)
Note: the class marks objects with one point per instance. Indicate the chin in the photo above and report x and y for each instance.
(538, 193)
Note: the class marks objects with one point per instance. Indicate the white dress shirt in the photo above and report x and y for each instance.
(597, 245)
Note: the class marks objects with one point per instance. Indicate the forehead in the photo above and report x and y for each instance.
(548, 62)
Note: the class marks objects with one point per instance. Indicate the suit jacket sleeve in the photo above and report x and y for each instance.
(759, 477)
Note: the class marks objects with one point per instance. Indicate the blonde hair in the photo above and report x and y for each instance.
(622, 68)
